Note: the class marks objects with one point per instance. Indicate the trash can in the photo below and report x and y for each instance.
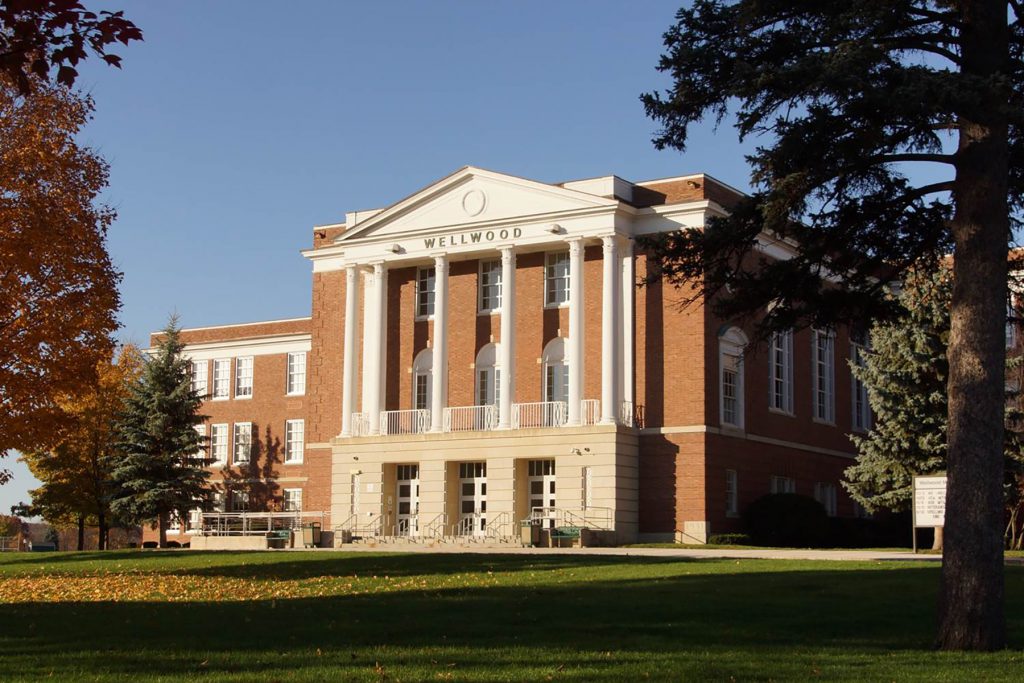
(529, 533)
(311, 535)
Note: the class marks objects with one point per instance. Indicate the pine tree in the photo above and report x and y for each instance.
(157, 472)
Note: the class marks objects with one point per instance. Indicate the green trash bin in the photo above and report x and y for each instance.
(311, 535)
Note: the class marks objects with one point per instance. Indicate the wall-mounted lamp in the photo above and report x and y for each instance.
(693, 184)
(556, 229)
(396, 249)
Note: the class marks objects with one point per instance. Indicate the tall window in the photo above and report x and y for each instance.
(200, 453)
(421, 374)
(293, 500)
(731, 496)
(239, 501)
(293, 440)
(487, 376)
(222, 378)
(823, 376)
(556, 278)
(426, 282)
(243, 442)
(556, 372)
(861, 418)
(730, 376)
(490, 286)
(296, 373)
(243, 377)
(783, 485)
(780, 372)
(219, 444)
(826, 495)
(200, 368)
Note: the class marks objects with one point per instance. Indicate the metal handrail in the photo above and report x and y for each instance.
(360, 424)
(539, 414)
(599, 518)
(252, 523)
(628, 414)
(497, 526)
(435, 527)
(404, 421)
(373, 526)
(466, 526)
(471, 418)
(590, 411)
(408, 527)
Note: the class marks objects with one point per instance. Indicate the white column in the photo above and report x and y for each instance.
(439, 381)
(382, 284)
(375, 337)
(628, 323)
(609, 331)
(576, 330)
(368, 322)
(506, 362)
(348, 381)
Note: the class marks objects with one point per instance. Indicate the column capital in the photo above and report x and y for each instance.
(440, 261)
(575, 245)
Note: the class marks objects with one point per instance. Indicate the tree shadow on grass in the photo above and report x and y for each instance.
(738, 624)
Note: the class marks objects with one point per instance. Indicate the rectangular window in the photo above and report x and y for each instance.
(783, 485)
(490, 286)
(293, 500)
(219, 444)
(731, 497)
(556, 382)
(426, 283)
(861, 418)
(293, 440)
(243, 442)
(826, 495)
(823, 376)
(296, 373)
(243, 377)
(200, 368)
(222, 378)
(421, 391)
(239, 501)
(556, 278)
(200, 453)
(780, 369)
(173, 524)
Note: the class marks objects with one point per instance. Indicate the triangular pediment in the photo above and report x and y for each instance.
(473, 196)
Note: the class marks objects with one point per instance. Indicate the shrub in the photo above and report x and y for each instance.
(787, 520)
(729, 539)
(150, 544)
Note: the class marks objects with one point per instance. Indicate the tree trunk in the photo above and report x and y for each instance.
(81, 532)
(937, 539)
(102, 523)
(162, 525)
(971, 596)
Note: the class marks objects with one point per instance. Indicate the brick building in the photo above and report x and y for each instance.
(479, 352)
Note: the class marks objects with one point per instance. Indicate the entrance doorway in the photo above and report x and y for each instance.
(542, 490)
(408, 498)
(472, 498)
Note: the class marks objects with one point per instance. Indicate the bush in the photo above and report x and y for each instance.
(729, 539)
(787, 520)
(150, 544)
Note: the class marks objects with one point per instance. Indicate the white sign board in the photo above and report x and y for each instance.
(930, 501)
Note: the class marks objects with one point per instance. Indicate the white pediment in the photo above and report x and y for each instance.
(473, 196)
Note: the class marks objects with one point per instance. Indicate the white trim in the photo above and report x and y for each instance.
(288, 373)
(737, 434)
(220, 462)
(258, 322)
(301, 456)
(480, 310)
(264, 346)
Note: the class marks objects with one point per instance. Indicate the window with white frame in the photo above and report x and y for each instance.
(200, 453)
(489, 286)
(823, 375)
(861, 409)
(293, 440)
(826, 495)
(730, 377)
(195, 521)
(556, 371)
(222, 378)
(296, 384)
(783, 484)
(243, 377)
(219, 444)
(421, 373)
(293, 500)
(732, 505)
(200, 368)
(780, 372)
(556, 278)
(173, 523)
(239, 501)
(243, 442)
(488, 376)
(426, 282)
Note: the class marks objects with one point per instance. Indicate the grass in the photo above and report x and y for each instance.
(154, 616)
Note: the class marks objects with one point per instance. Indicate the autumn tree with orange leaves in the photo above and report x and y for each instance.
(58, 288)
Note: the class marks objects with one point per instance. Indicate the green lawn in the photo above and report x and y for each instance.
(327, 616)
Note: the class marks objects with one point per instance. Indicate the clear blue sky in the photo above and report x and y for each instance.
(238, 125)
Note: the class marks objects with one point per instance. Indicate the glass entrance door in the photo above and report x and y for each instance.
(408, 499)
(472, 498)
(542, 490)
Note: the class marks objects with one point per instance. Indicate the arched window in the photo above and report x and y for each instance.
(422, 372)
(730, 376)
(556, 372)
(488, 374)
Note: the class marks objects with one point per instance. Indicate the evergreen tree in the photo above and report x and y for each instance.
(157, 472)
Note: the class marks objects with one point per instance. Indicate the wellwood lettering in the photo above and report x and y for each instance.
(472, 237)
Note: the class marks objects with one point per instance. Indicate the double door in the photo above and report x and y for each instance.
(407, 499)
(472, 498)
(542, 491)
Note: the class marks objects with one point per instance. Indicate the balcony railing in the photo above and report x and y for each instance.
(541, 414)
(360, 424)
(627, 418)
(590, 411)
(404, 421)
(471, 418)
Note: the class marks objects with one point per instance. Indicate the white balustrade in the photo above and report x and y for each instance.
(470, 418)
(360, 424)
(404, 421)
(627, 417)
(590, 411)
(540, 414)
